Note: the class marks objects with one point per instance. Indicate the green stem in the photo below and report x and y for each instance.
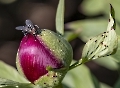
(76, 64)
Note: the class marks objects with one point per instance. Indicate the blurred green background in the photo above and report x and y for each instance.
(83, 20)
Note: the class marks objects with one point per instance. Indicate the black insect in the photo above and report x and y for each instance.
(29, 28)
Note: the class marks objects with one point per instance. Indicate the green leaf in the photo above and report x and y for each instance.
(88, 28)
(5, 83)
(116, 5)
(80, 77)
(70, 35)
(103, 85)
(111, 62)
(94, 7)
(107, 62)
(102, 45)
(116, 56)
(60, 18)
(8, 72)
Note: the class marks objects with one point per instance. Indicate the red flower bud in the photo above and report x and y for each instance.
(39, 49)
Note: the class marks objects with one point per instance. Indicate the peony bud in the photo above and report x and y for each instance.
(39, 49)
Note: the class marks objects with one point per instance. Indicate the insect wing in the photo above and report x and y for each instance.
(20, 28)
(29, 23)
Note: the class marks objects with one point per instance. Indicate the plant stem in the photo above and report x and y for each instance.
(76, 64)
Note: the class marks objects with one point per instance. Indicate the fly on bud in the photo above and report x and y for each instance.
(39, 49)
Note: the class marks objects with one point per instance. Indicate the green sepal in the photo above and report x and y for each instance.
(62, 50)
(6, 83)
(51, 80)
(59, 47)
(102, 45)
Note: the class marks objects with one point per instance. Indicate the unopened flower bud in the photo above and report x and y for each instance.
(39, 49)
